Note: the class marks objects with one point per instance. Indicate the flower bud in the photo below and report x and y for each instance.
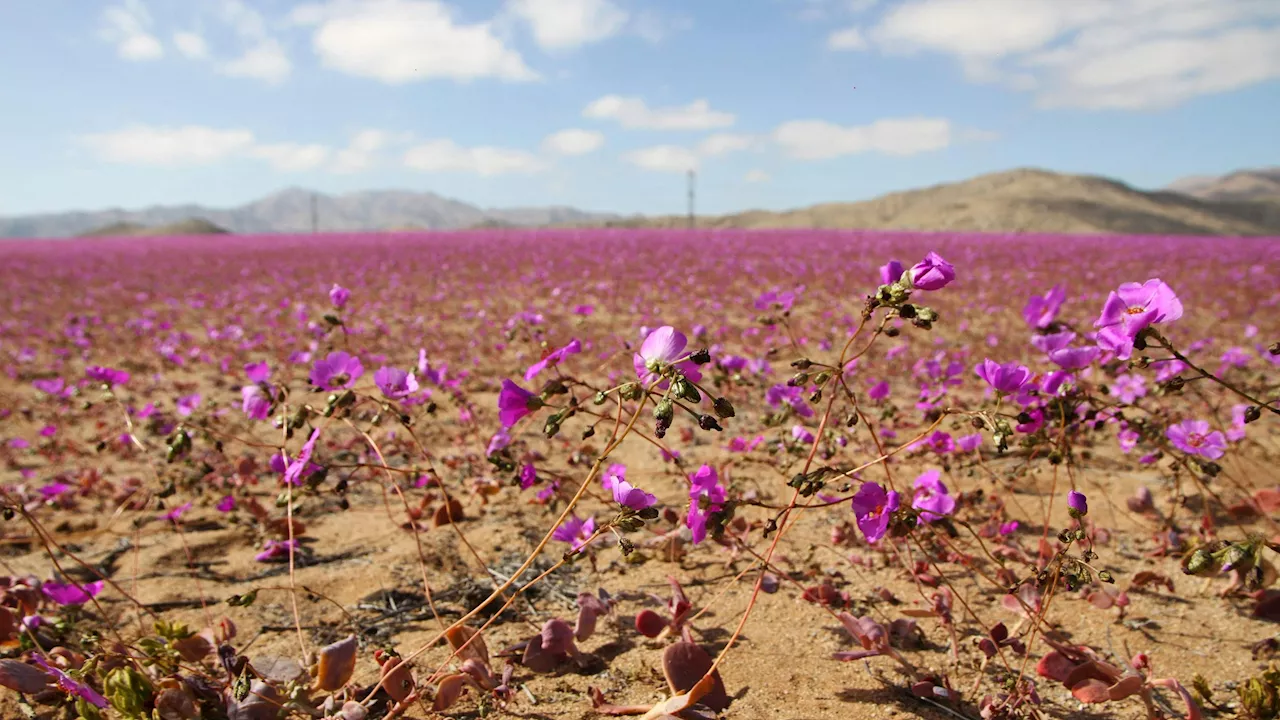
(723, 407)
(1251, 414)
(1201, 560)
(708, 422)
(701, 357)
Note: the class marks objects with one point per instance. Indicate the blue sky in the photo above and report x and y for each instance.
(604, 104)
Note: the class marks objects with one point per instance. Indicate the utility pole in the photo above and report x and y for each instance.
(315, 216)
(692, 177)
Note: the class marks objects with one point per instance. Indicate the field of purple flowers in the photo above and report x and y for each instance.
(570, 474)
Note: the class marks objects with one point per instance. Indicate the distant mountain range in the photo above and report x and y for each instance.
(1026, 200)
(289, 211)
(1246, 202)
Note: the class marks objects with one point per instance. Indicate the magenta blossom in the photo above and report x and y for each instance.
(277, 550)
(226, 504)
(872, 507)
(176, 514)
(1073, 358)
(70, 685)
(774, 299)
(51, 386)
(575, 531)
(337, 371)
(187, 404)
(1041, 311)
(258, 372)
(395, 384)
(1006, 378)
(802, 435)
(1077, 504)
(891, 272)
(662, 347)
(339, 296)
(293, 474)
(932, 273)
(106, 375)
(624, 493)
(1193, 437)
(706, 497)
(1128, 388)
(552, 359)
(70, 593)
(528, 476)
(969, 443)
(932, 498)
(514, 402)
(1132, 308)
(255, 402)
(1053, 341)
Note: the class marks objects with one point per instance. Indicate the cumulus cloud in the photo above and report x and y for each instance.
(361, 153)
(447, 156)
(1116, 54)
(722, 143)
(849, 38)
(263, 57)
(168, 146)
(820, 140)
(573, 141)
(566, 24)
(193, 145)
(756, 176)
(401, 41)
(128, 27)
(191, 45)
(632, 112)
(664, 158)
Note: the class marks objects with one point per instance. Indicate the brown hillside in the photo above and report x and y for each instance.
(190, 226)
(1024, 200)
(1260, 184)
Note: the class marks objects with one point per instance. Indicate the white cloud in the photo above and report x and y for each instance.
(263, 58)
(573, 142)
(564, 24)
(849, 38)
(818, 139)
(654, 27)
(191, 45)
(1119, 54)
(448, 156)
(291, 157)
(663, 158)
(361, 153)
(722, 143)
(632, 112)
(265, 61)
(756, 176)
(128, 27)
(401, 41)
(168, 147)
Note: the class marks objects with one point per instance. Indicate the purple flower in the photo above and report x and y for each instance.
(187, 404)
(706, 496)
(528, 476)
(879, 391)
(499, 441)
(872, 507)
(663, 347)
(1077, 504)
(1053, 341)
(552, 359)
(891, 272)
(1041, 311)
(802, 435)
(1008, 528)
(1128, 388)
(395, 384)
(1132, 307)
(337, 371)
(773, 298)
(932, 273)
(255, 402)
(931, 498)
(624, 493)
(514, 402)
(339, 296)
(293, 474)
(941, 442)
(575, 531)
(1127, 439)
(176, 513)
(49, 492)
(969, 443)
(258, 372)
(1074, 358)
(277, 549)
(1194, 437)
(70, 685)
(70, 593)
(49, 386)
(106, 375)
(226, 504)
(1007, 378)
